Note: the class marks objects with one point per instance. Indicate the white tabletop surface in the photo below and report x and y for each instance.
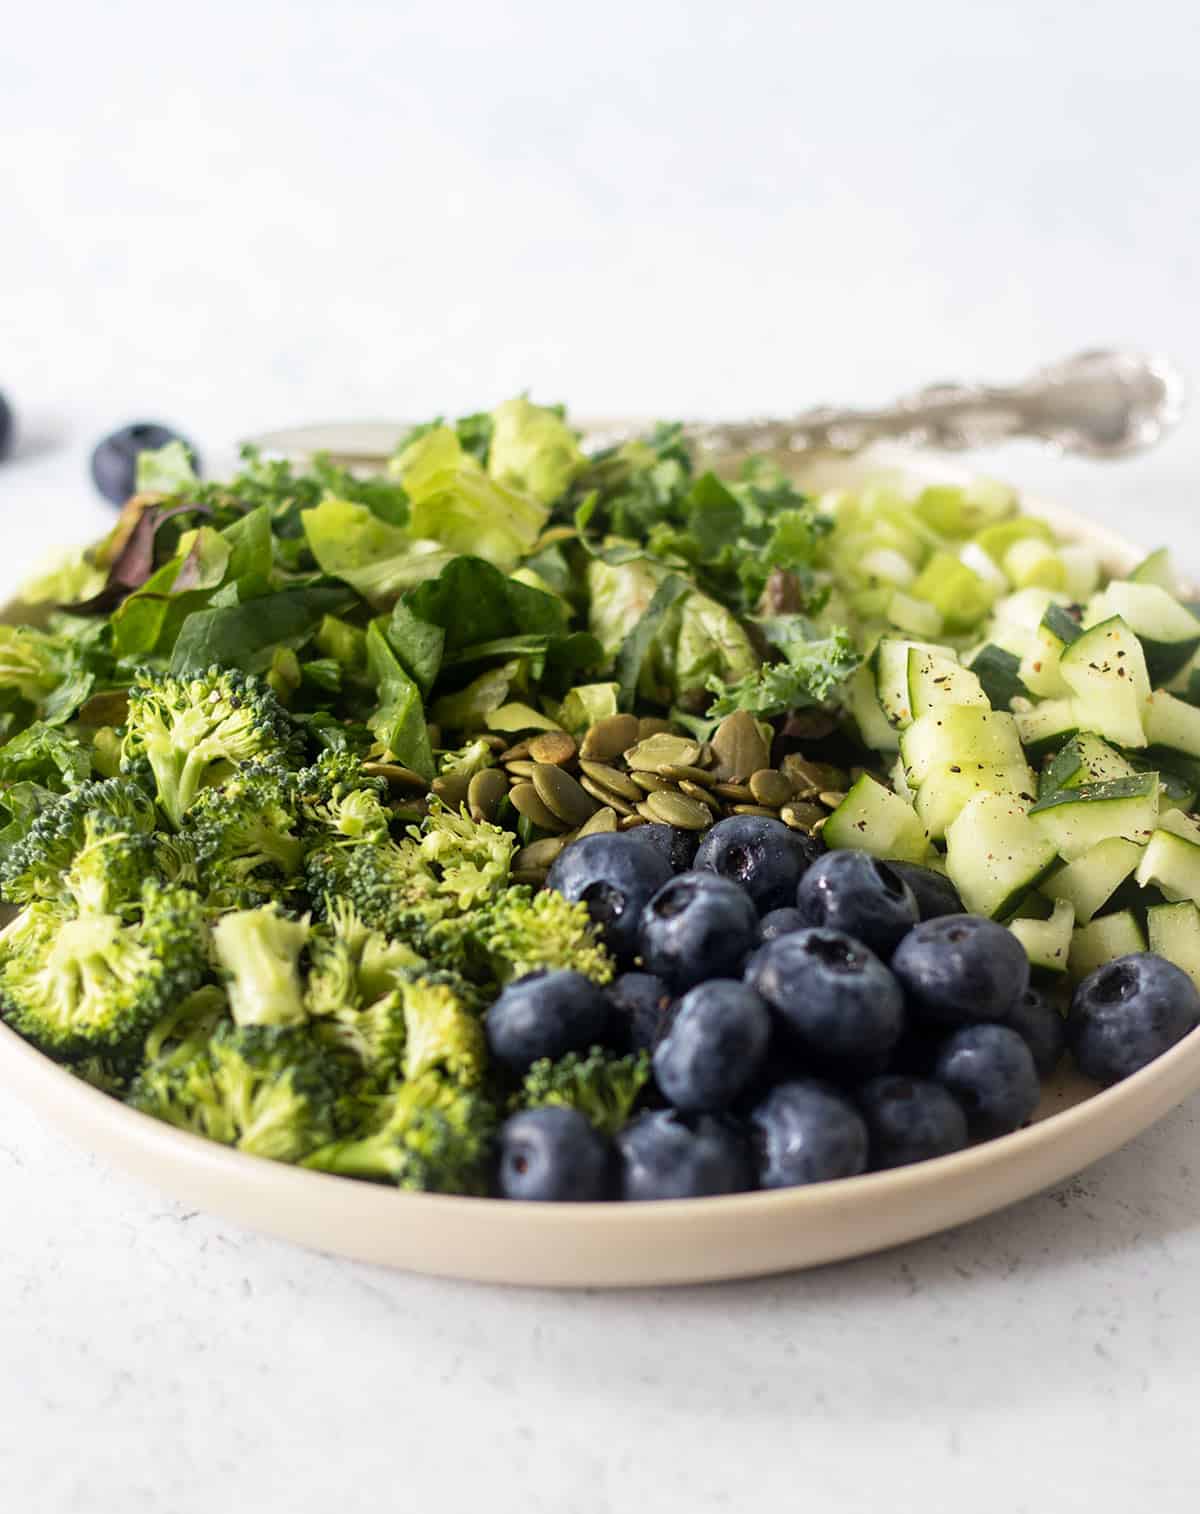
(280, 212)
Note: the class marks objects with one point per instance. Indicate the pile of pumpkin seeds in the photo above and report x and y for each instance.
(624, 772)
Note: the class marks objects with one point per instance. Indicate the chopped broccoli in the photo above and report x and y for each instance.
(243, 838)
(110, 869)
(470, 858)
(193, 732)
(352, 965)
(259, 952)
(468, 760)
(524, 931)
(601, 1085)
(428, 1134)
(270, 1091)
(89, 984)
(34, 868)
(340, 802)
(441, 1034)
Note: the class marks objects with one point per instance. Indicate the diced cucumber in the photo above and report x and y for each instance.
(936, 681)
(887, 566)
(1186, 683)
(1169, 722)
(1047, 943)
(1090, 881)
(962, 734)
(899, 781)
(961, 596)
(1040, 667)
(1101, 940)
(1106, 671)
(998, 671)
(1034, 564)
(1075, 820)
(1174, 933)
(1082, 568)
(916, 616)
(1179, 824)
(1026, 608)
(1048, 724)
(995, 854)
(1171, 863)
(873, 819)
(1157, 569)
(1086, 758)
(980, 562)
(1174, 793)
(946, 790)
(862, 703)
(1169, 634)
(890, 664)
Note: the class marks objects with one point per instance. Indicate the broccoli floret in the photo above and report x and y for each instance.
(193, 732)
(242, 838)
(352, 965)
(524, 931)
(267, 1090)
(35, 867)
(468, 760)
(340, 803)
(470, 858)
(428, 1134)
(86, 985)
(187, 1024)
(259, 953)
(110, 869)
(441, 1033)
(602, 1086)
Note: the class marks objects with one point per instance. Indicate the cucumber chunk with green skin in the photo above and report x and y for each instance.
(1171, 863)
(1168, 632)
(998, 671)
(873, 819)
(995, 855)
(1047, 942)
(916, 616)
(889, 662)
(936, 681)
(1157, 569)
(1086, 758)
(1045, 727)
(1075, 820)
(941, 798)
(875, 730)
(960, 734)
(1172, 723)
(1173, 931)
(1088, 883)
(1041, 669)
(1101, 940)
(1105, 669)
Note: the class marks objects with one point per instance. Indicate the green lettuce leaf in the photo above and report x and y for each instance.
(246, 636)
(399, 719)
(378, 559)
(533, 450)
(166, 470)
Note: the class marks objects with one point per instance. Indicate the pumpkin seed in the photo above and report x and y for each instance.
(679, 772)
(611, 778)
(451, 790)
(737, 793)
(651, 725)
(647, 814)
(700, 795)
(553, 747)
(754, 809)
(521, 768)
(562, 794)
(831, 798)
(528, 803)
(739, 747)
(609, 737)
(631, 822)
(770, 787)
(402, 777)
(662, 750)
(801, 817)
(612, 801)
(484, 793)
(650, 783)
(538, 853)
(679, 810)
(811, 777)
(515, 753)
(535, 877)
(602, 821)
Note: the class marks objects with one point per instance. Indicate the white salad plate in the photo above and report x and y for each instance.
(629, 1245)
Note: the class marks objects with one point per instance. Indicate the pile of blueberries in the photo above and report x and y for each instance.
(810, 1016)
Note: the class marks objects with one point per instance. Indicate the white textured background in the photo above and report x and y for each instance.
(241, 215)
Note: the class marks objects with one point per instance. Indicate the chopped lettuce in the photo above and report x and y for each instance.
(533, 450)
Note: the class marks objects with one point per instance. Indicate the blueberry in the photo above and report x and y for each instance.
(697, 926)
(856, 893)
(804, 1132)
(934, 893)
(7, 428)
(1042, 1029)
(546, 1014)
(640, 1003)
(833, 996)
(990, 1071)
(114, 461)
(552, 1154)
(675, 845)
(910, 1120)
(715, 1046)
(761, 854)
(779, 922)
(962, 970)
(1128, 1012)
(668, 1155)
(615, 876)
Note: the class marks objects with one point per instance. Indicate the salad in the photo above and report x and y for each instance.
(568, 825)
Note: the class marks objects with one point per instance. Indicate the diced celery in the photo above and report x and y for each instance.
(1035, 564)
(960, 594)
(916, 616)
(996, 540)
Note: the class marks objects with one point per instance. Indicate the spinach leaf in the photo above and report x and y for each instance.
(418, 644)
(399, 720)
(475, 602)
(633, 654)
(246, 636)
